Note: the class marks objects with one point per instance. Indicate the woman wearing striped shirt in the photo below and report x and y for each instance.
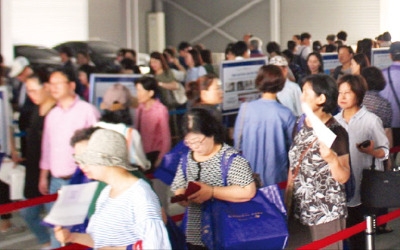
(128, 213)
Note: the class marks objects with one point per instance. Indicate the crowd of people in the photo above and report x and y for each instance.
(67, 140)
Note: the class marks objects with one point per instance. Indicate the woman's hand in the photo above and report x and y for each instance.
(326, 153)
(181, 191)
(62, 235)
(367, 150)
(15, 157)
(204, 194)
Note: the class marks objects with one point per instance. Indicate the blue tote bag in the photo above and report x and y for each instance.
(169, 164)
(256, 224)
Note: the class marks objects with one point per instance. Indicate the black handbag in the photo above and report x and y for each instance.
(380, 189)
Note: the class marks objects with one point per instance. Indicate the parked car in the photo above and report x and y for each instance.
(39, 56)
(102, 53)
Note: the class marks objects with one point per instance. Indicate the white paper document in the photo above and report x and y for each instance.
(72, 204)
(322, 132)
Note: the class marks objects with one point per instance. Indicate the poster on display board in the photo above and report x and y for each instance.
(330, 61)
(5, 120)
(238, 82)
(99, 83)
(380, 58)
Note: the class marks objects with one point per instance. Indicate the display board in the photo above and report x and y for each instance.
(99, 83)
(238, 82)
(330, 61)
(380, 58)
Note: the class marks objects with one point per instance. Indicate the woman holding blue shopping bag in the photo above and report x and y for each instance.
(204, 137)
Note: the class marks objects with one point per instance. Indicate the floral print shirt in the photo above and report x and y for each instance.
(318, 197)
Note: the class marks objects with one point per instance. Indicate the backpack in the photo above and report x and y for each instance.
(350, 185)
(299, 60)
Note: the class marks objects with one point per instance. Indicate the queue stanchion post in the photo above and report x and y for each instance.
(370, 231)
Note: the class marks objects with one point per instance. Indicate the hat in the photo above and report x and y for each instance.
(18, 66)
(106, 148)
(116, 97)
(278, 61)
(395, 48)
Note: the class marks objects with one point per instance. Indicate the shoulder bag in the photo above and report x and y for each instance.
(290, 184)
(380, 189)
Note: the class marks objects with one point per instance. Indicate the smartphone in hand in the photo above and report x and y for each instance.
(192, 188)
(364, 144)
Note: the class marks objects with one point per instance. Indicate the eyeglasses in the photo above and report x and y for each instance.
(198, 171)
(194, 143)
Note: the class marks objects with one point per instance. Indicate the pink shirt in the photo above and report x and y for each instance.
(153, 126)
(59, 126)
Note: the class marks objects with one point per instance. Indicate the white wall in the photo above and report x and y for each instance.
(359, 18)
(48, 22)
(5, 31)
(108, 20)
(390, 18)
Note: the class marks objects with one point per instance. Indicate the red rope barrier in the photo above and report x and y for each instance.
(74, 246)
(177, 217)
(395, 149)
(348, 232)
(10, 207)
(387, 217)
(344, 234)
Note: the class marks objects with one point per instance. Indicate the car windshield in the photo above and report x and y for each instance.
(103, 47)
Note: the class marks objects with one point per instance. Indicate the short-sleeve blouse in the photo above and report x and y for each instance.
(318, 197)
(379, 106)
(209, 172)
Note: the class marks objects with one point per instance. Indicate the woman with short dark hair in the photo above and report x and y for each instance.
(361, 125)
(318, 172)
(372, 100)
(358, 63)
(263, 128)
(202, 164)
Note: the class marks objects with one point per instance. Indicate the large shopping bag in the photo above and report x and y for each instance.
(255, 224)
